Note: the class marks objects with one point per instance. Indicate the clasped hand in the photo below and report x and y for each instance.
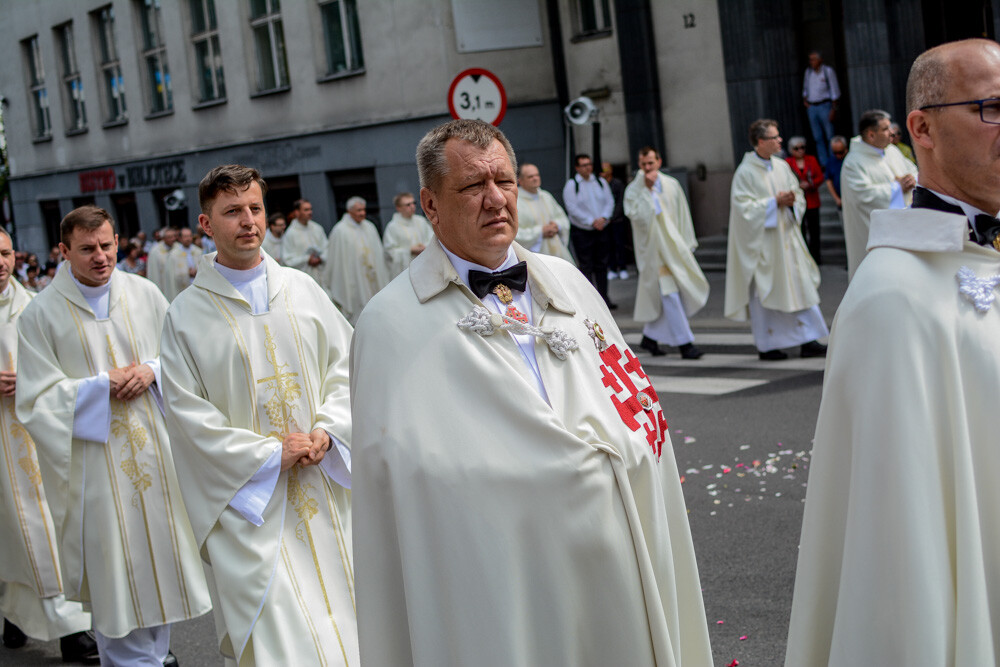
(306, 449)
(130, 381)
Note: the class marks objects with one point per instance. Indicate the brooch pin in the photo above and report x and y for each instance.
(979, 291)
(596, 334)
(503, 293)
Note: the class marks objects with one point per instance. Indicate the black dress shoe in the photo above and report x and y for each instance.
(772, 355)
(651, 346)
(12, 635)
(79, 647)
(689, 351)
(812, 349)
(170, 660)
(612, 306)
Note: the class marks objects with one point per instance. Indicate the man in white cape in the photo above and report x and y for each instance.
(770, 277)
(88, 393)
(255, 369)
(276, 225)
(303, 245)
(406, 235)
(183, 262)
(528, 510)
(671, 286)
(901, 532)
(542, 224)
(875, 175)
(31, 594)
(357, 267)
(157, 262)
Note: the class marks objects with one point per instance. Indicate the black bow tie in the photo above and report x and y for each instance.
(482, 282)
(985, 228)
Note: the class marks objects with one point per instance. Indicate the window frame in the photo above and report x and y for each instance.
(603, 19)
(350, 39)
(209, 36)
(37, 91)
(271, 19)
(108, 60)
(157, 89)
(75, 110)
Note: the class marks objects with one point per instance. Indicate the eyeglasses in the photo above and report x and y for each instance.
(773, 136)
(989, 108)
(798, 148)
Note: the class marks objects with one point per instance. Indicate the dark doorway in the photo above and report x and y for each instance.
(946, 21)
(172, 217)
(282, 191)
(51, 216)
(356, 183)
(126, 214)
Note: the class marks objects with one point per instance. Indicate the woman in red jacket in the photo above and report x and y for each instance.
(810, 175)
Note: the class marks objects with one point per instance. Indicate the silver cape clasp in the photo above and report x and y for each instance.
(486, 323)
(980, 291)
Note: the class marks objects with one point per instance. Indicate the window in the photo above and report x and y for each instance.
(36, 86)
(207, 56)
(342, 35)
(269, 42)
(111, 71)
(159, 97)
(594, 16)
(76, 112)
(126, 214)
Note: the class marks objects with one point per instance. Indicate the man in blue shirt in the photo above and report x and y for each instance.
(820, 93)
(838, 151)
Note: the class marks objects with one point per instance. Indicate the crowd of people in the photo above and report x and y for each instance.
(467, 464)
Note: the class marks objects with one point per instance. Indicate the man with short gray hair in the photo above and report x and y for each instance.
(875, 175)
(516, 497)
(356, 268)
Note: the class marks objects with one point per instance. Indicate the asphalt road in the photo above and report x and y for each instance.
(741, 432)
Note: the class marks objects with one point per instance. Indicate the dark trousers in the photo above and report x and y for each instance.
(620, 252)
(810, 232)
(591, 249)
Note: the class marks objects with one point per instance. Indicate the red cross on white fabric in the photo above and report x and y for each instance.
(636, 407)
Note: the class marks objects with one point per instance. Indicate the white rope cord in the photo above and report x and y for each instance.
(486, 323)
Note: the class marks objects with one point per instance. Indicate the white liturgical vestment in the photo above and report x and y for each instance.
(664, 240)
(868, 183)
(272, 246)
(770, 276)
(157, 267)
(180, 261)
(285, 584)
(125, 542)
(299, 242)
(493, 526)
(901, 532)
(30, 584)
(534, 211)
(401, 234)
(357, 267)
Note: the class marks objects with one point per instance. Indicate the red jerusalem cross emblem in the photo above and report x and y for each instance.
(638, 408)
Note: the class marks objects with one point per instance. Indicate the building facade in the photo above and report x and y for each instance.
(123, 103)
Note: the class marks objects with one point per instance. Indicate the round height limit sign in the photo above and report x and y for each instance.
(477, 94)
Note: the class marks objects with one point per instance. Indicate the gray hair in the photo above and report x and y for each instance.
(796, 141)
(870, 119)
(431, 162)
(354, 201)
(758, 129)
(928, 80)
(839, 139)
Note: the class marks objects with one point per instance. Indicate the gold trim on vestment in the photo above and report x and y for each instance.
(244, 354)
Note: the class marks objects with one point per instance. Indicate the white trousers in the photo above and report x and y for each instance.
(774, 329)
(143, 647)
(672, 327)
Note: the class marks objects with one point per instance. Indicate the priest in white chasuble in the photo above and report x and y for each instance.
(255, 360)
(898, 560)
(406, 235)
(671, 285)
(31, 594)
(542, 224)
(183, 262)
(88, 391)
(527, 510)
(303, 245)
(770, 277)
(357, 268)
(157, 263)
(875, 176)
